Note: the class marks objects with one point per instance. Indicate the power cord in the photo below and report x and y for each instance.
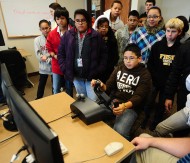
(58, 118)
(15, 156)
(91, 159)
(2, 115)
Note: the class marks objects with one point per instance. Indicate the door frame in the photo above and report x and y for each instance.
(89, 6)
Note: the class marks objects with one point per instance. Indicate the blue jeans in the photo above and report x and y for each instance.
(124, 122)
(57, 83)
(83, 86)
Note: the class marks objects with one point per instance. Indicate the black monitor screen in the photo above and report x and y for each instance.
(41, 142)
(2, 42)
(5, 82)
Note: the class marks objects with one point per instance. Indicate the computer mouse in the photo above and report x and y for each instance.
(113, 148)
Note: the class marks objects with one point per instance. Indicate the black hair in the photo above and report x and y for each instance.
(157, 8)
(134, 13)
(54, 5)
(151, 1)
(142, 16)
(61, 11)
(185, 22)
(44, 21)
(101, 21)
(85, 14)
(110, 33)
(134, 48)
(117, 1)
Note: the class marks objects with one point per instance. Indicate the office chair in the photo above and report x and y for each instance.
(16, 67)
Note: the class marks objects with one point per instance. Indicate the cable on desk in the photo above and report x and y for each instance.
(59, 118)
(9, 137)
(15, 156)
(91, 159)
(3, 114)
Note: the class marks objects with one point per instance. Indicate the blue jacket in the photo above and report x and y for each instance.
(94, 43)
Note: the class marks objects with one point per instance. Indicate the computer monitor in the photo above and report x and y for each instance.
(5, 82)
(2, 42)
(41, 142)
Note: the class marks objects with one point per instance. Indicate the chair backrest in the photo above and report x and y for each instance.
(12, 57)
(15, 66)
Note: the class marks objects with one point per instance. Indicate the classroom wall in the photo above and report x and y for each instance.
(169, 8)
(28, 43)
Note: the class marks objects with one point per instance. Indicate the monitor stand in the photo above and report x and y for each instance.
(9, 123)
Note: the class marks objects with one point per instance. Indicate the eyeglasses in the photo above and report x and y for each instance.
(80, 21)
(130, 58)
(152, 16)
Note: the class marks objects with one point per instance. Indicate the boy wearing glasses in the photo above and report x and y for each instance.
(128, 84)
(159, 64)
(82, 54)
(43, 56)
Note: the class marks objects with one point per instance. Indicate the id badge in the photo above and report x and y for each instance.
(79, 62)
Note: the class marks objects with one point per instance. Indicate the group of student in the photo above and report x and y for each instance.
(135, 63)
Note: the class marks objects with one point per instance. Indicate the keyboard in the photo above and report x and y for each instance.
(64, 149)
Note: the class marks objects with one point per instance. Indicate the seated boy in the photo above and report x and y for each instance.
(130, 82)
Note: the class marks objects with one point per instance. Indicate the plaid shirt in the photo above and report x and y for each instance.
(145, 41)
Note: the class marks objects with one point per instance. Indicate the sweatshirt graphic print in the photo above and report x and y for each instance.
(126, 82)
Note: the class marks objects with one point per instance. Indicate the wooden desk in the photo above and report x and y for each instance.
(83, 142)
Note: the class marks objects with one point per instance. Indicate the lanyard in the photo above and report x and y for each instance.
(80, 42)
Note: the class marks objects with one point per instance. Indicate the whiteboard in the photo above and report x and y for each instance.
(22, 17)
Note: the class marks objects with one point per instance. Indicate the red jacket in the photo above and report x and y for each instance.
(52, 44)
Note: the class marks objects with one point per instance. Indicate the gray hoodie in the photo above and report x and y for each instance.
(40, 50)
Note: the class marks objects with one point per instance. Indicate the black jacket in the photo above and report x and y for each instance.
(112, 50)
(180, 70)
(160, 61)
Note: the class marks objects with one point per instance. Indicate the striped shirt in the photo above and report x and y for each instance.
(185, 159)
